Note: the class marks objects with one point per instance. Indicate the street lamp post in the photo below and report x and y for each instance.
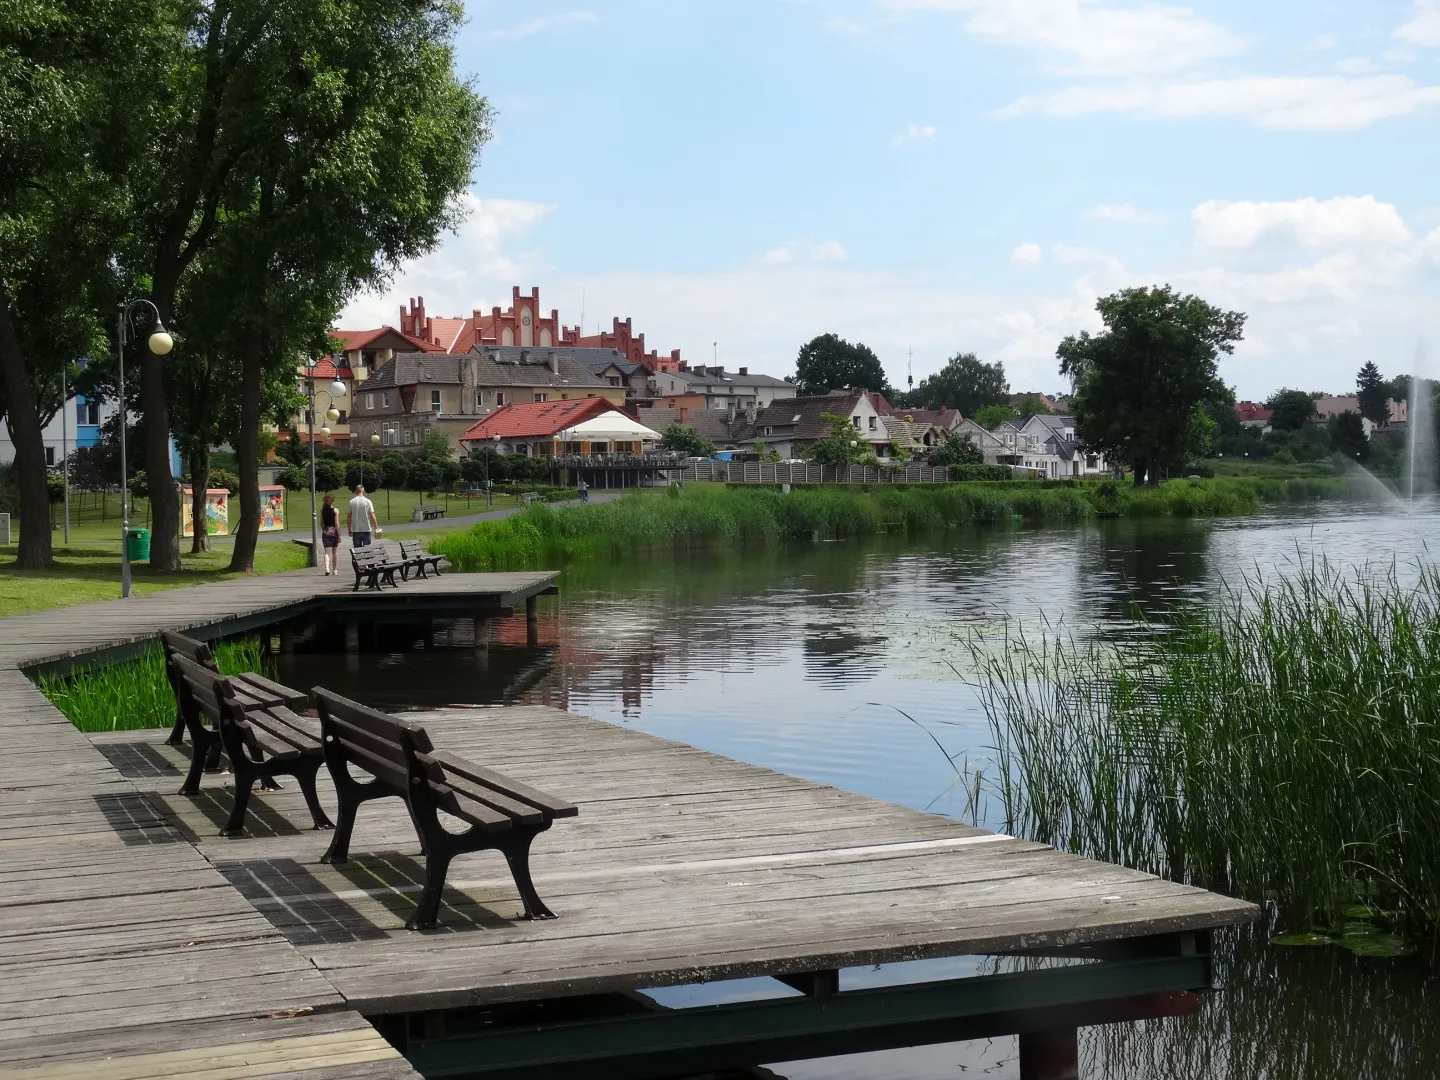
(160, 344)
(336, 391)
(489, 499)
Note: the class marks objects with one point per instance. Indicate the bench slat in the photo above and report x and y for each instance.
(467, 809)
(307, 726)
(292, 699)
(453, 763)
(521, 812)
(277, 732)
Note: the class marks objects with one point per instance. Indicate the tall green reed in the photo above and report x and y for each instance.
(134, 693)
(1282, 744)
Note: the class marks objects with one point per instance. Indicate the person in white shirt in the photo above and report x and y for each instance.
(362, 525)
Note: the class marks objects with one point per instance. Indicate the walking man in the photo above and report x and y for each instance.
(362, 525)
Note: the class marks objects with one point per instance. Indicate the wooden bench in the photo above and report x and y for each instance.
(372, 565)
(529, 497)
(413, 554)
(252, 688)
(501, 814)
(426, 512)
(261, 742)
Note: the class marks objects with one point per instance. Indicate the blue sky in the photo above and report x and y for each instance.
(955, 175)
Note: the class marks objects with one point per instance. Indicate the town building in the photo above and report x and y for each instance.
(415, 392)
(524, 324)
(707, 423)
(361, 353)
(1253, 415)
(992, 448)
(911, 438)
(789, 426)
(75, 425)
(584, 427)
(1047, 444)
(715, 388)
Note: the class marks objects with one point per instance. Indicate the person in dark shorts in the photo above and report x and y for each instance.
(330, 535)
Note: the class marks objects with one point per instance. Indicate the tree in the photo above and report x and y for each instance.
(992, 416)
(1347, 436)
(965, 383)
(368, 473)
(1372, 392)
(956, 450)
(840, 446)
(425, 475)
(1028, 405)
(1138, 383)
(829, 362)
(682, 439)
(763, 451)
(1289, 409)
(395, 470)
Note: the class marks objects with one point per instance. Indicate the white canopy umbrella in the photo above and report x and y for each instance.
(610, 426)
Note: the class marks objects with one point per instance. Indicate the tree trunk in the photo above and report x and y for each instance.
(247, 452)
(26, 434)
(1154, 478)
(164, 506)
(199, 480)
(1137, 470)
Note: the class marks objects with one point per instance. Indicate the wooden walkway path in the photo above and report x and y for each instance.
(135, 942)
(124, 952)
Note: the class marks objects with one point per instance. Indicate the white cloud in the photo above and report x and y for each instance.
(1311, 103)
(469, 261)
(1091, 38)
(1027, 255)
(805, 251)
(1357, 65)
(1424, 28)
(914, 133)
(1125, 214)
(543, 23)
(1341, 222)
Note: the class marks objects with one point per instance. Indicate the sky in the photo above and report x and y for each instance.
(941, 176)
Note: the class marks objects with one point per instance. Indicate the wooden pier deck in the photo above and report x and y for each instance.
(134, 941)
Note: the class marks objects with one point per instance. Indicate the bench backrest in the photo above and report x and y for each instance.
(369, 554)
(410, 548)
(197, 652)
(201, 690)
(354, 734)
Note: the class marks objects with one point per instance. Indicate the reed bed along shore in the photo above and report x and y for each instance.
(1282, 744)
(134, 693)
(695, 518)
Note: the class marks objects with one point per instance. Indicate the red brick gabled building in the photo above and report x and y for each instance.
(524, 324)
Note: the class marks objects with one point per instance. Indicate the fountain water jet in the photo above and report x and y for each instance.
(1420, 433)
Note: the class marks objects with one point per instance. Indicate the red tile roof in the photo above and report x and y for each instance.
(536, 419)
(359, 339)
(1248, 410)
(326, 368)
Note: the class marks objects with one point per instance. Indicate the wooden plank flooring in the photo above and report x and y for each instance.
(123, 951)
(682, 867)
(135, 942)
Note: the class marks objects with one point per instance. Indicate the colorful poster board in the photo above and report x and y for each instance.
(272, 509)
(217, 512)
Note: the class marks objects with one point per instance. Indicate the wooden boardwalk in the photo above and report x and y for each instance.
(135, 942)
(124, 952)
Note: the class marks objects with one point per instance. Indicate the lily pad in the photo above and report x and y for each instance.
(1376, 945)
(1302, 939)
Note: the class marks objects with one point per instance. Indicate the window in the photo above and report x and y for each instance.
(499, 397)
(49, 455)
(769, 431)
(572, 448)
(369, 402)
(624, 448)
(435, 401)
(407, 436)
(87, 412)
(387, 434)
(342, 419)
(479, 399)
(384, 399)
(856, 419)
(542, 397)
(872, 423)
(613, 380)
(599, 448)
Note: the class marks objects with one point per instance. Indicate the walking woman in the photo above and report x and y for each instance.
(330, 535)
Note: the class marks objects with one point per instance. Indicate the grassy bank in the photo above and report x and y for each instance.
(1282, 745)
(712, 517)
(135, 694)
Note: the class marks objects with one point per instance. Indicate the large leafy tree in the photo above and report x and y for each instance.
(1373, 394)
(966, 383)
(70, 75)
(683, 439)
(829, 362)
(1140, 381)
(841, 445)
(1289, 409)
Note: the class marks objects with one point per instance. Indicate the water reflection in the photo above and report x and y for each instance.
(844, 664)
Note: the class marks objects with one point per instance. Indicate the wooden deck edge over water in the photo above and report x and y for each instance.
(133, 938)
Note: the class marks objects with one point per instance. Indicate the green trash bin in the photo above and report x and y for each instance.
(137, 542)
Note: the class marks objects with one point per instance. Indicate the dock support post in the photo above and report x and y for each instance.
(352, 637)
(1050, 1055)
(287, 639)
(429, 634)
(532, 623)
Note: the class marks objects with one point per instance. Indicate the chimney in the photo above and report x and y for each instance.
(554, 362)
(750, 411)
(744, 371)
(684, 412)
(730, 415)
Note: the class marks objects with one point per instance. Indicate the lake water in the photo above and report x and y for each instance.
(847, 663)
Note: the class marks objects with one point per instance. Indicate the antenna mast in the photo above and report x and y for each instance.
(910, 369)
